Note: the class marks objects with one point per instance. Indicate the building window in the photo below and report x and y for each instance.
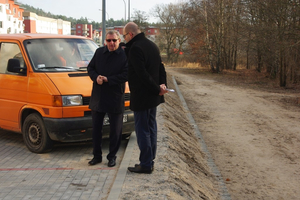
(14, 11)
(1, 9)
(149, 31)
(155, 31)
(1, 26)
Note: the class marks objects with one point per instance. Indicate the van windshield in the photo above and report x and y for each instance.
(56, 55)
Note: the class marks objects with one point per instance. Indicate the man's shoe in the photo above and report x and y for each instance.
(112, 162)
(139, 169)
(152, 168)
(95, 161)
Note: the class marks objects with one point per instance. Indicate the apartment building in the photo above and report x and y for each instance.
(11, 18)
(151, 33)
(84, 30)
(38, 24)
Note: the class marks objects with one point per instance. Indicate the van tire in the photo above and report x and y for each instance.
(35, 134)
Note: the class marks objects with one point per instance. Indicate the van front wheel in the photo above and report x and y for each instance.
(35, 134)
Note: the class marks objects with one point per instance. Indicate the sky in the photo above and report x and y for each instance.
(92, 9)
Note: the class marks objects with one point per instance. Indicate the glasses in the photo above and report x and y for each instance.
(125, 35)
(109, 40)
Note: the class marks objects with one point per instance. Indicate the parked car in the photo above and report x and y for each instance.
(45, 89)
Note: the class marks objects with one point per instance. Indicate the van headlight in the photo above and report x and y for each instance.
(72, 100)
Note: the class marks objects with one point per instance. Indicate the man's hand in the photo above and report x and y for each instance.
(104, 79)
(163, 89)
(99, 80)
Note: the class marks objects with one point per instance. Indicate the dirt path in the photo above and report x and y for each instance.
(253, 137)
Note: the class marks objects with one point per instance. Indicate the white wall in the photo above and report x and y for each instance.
(9, 23)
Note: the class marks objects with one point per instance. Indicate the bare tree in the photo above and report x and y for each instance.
(264, 33)
(200, 41)
(173, 28)
(260, 34)
(140, 18)
(276, 24)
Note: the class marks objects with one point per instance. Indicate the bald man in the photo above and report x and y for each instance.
(147, 83)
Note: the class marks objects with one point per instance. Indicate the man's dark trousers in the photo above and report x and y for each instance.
(115, 135)
(146, 133)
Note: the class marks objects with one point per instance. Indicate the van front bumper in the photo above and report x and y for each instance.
(80, 128)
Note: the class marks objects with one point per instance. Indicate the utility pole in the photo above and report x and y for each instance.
(103, 21)
(125, 12)
(128, 10)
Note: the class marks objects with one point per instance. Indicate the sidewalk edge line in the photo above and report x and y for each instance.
(120, 178)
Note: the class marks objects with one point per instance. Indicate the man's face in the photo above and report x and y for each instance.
(112, 42)
(126, 36)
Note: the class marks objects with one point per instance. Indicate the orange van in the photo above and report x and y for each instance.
(45, 89)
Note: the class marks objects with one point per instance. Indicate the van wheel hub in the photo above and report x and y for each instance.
(34, 133)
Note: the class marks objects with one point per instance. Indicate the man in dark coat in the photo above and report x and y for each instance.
(108, 71)
(147, 83)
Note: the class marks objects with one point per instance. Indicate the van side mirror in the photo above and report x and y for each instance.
(14, 66)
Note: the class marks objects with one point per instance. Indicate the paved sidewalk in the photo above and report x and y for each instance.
(121, 175)
(60, 174)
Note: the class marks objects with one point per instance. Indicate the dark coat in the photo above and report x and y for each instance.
(108, 97)
(145, 73)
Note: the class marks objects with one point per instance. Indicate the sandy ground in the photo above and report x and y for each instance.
(253, 136)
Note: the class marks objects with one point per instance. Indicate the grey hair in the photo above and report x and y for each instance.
(111, 32)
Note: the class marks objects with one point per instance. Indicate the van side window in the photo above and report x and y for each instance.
(8, 51)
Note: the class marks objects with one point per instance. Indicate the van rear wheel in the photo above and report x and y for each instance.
(35, 134)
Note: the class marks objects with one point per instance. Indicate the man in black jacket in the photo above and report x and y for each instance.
(108, 71)
(147, 83)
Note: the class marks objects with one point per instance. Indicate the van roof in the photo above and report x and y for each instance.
(24, 36)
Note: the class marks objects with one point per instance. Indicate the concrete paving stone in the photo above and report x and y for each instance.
(94, 176)
(65, 196)
(10, 198)
(64, 185)
(93, 198)
(58, 194)
(41, 181)
(77, 194)
(55, 198)
(62, 188)
(55, 186)
(47, 197)
(74, 198)
(97, 189)
(92, 182)
(20, 193)
(85, 180)
(3, 194)
(41, 193)
(95, 193)
(13, 192)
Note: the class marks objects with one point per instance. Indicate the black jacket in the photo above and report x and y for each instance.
(108, 97)
(145, 73)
